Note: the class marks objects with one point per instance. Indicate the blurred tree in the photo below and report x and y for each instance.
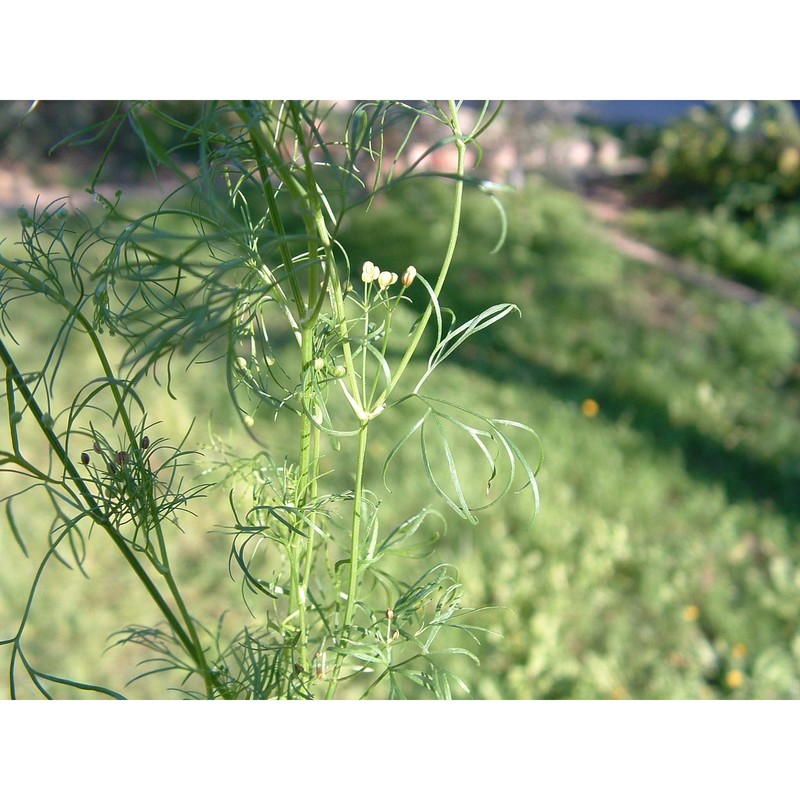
(743, 155)
(30, 131)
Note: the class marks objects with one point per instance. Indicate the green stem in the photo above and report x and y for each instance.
(188, 635)
(196, 649)
(355, 550)
(461, 148)
(306, 486)
(263, 149)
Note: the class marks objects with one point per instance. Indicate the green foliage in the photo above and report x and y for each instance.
(670, 420)
(661, 564)
(715, 241)
(757, 341)
(729, 176)
(242, 265)
(743, 156)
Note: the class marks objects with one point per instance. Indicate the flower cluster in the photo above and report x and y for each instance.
(371, 273)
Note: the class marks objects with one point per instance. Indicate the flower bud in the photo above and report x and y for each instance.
(369, 272)
(145, 442)
(409, 275)
(248, 421)
(389, 613)
(339, 371)
(241, 363)
(84, 458)
(121, 457)
(319, 364)
(386, 279)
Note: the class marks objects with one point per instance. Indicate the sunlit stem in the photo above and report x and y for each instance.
(455, 223)
(355, 549)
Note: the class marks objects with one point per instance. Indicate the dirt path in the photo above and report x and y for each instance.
(607, 207)
(18, 188)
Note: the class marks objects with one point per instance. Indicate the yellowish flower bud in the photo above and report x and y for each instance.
(369, 272)
(386, 279)
(409, 275)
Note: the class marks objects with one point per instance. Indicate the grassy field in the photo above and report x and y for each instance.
(665, 560)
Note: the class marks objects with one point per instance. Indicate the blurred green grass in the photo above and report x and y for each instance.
(664, 561)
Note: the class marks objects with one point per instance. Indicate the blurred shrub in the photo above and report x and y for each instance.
(654, 569)
(29, 132)
(743, 156)
(715, 239)
(757, 340)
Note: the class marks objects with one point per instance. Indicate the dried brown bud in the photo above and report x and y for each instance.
(145, 442)
(84, 458)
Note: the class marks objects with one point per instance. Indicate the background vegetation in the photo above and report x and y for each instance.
(665, 562)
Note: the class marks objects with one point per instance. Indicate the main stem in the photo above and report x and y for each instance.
(355, 550)
(455, 224)
(306, 492)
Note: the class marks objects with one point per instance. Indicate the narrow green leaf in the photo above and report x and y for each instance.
(14, 529)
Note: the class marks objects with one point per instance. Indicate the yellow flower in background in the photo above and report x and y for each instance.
(734, 679)
(789, 161)
(691, 613)
(739, 651)
(590, 408)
